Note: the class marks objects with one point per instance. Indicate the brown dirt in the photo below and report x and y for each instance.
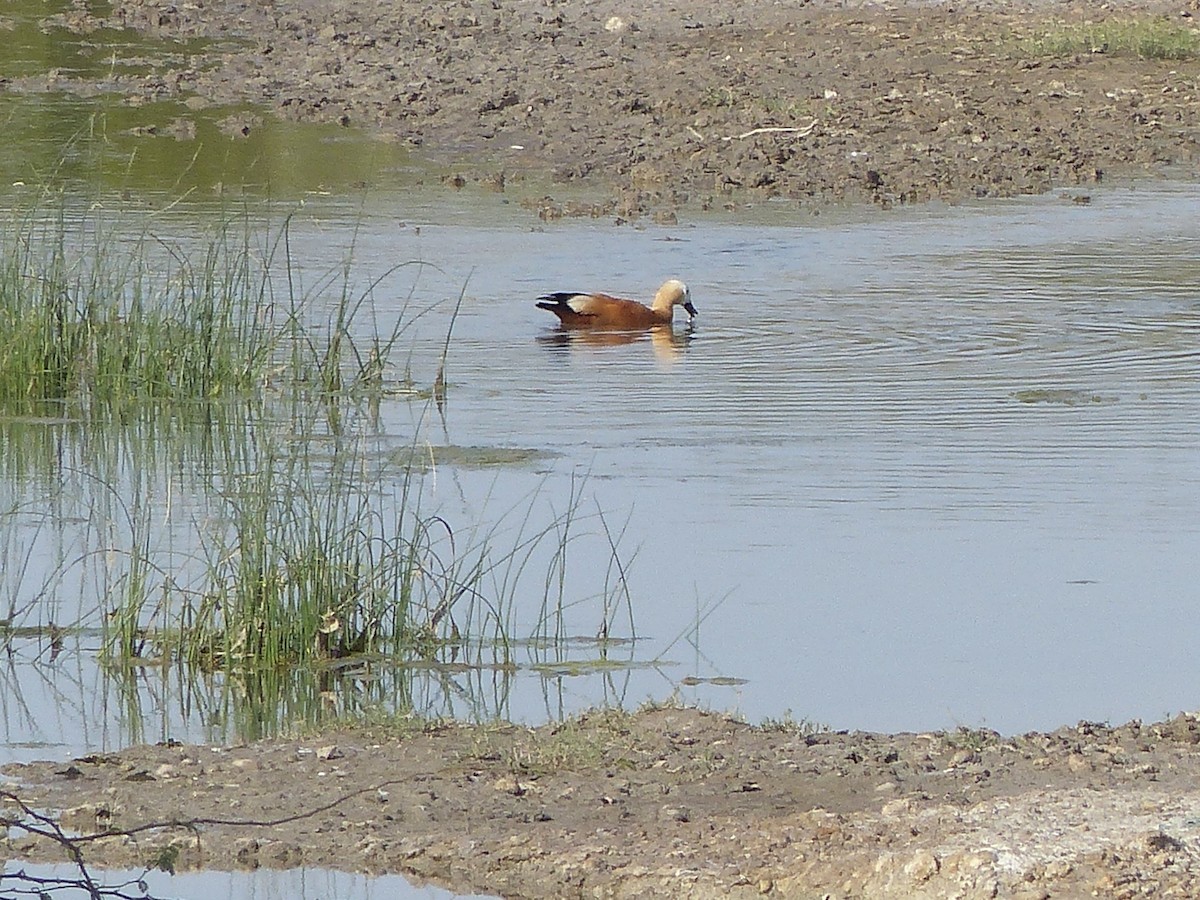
(666, 802)
(701, 103)
(691, 105)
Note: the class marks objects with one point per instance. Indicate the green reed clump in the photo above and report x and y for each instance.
(90, 326)
(323, 558)
(301, 568)
(88, 322)
(1145, 38)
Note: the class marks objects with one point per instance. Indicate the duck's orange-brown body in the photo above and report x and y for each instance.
(578, 310)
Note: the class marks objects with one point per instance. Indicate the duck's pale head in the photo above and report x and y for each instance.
(674, 293)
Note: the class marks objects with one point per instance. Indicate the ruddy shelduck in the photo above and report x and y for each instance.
(575, 310)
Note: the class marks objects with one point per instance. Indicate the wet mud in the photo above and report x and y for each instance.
(658, 108)
(666, 802)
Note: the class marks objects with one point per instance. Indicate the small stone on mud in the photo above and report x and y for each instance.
(922, 867)
(1077, 762)
(510, 785)
(962, 758)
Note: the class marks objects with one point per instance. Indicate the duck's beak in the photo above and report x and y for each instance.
(691, 310)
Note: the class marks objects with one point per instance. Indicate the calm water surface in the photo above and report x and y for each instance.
(909, 470)
(929, 468)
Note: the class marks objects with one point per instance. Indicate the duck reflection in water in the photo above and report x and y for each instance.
(666, 341)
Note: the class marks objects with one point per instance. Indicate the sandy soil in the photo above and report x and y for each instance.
(678, 107)
(666, 802)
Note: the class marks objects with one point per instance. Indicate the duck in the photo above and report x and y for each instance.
(593, 310)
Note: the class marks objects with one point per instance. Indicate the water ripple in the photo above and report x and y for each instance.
(930, 420)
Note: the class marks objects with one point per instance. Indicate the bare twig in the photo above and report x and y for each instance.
(40, 825)
(778, 129)
(55, 833)
(50, 829)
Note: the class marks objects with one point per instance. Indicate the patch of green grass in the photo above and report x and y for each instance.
(787, 724)
(1147, 38)
(1064, 396)
(788, 109)
(779, 108)
(429, 456)
(591, 739)
(972, 739)
(719, 98)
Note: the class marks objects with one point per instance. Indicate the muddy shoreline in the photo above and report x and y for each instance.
(702, 104)
(666, 802)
